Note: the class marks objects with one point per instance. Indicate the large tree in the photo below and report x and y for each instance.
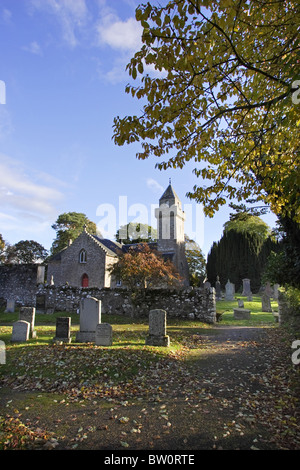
(226, 98)
(25, 251)
(242, 252)
(136, 233)
(68, 226)
(142, 267)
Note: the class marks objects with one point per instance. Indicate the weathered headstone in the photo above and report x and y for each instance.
(157, 328)
(28, 314)
(90, 317)
(268, 289)
(241, 314)
(229, 291)
(10, 306)
(246, 288)
(2, 353)
(40, 303)
(206, 285)
(218, 289)
(103, 334)
(20, 331)
(240, 303)
(63, 329)
(266, 303)
(275, 291)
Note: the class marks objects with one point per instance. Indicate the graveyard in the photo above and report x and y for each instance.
(191, 388)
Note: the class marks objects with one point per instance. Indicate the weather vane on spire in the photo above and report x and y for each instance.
(169, 180)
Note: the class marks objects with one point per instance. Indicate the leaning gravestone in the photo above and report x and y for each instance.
(90, 317)
(28, 314)
(246, 288)
(241, 314)
(157, 329)
(229, 291)
(10, 306)
(218, 289)
(103, 334)
(266, 303)
(63, 330)
(275, 291)
(20, 331)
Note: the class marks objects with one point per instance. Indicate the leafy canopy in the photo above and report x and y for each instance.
(68, 226)
(225, 98)
(135, 232)
(142, 267)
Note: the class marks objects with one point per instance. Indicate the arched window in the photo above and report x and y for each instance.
(85, 280)
(82, 256)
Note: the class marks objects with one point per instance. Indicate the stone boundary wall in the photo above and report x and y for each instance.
(20, 282)
(192, 303)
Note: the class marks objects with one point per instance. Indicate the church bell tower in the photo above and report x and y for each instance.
(170, 230)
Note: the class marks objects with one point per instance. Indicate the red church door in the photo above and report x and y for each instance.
(85, 280)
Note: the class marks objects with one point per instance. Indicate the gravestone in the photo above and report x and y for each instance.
(229, 291)
(207, 285)
(103, 334)
(268, 290)
(40, 303)
(20, 331)
(63, 329)
(241, 314)
(28, 314)
(157, 329)
(10, 306)
(240, 303)
(2, 353)
(246, 288)
(275, 291)
(218, 289)
(266, 303)
(90, 317)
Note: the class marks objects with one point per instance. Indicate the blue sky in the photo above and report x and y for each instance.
(63, 66)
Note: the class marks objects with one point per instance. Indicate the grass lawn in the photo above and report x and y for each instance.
(74, 393)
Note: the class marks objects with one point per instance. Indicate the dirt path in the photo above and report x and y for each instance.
(229, 392)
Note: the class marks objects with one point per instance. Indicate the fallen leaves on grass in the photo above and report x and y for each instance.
(257, 391)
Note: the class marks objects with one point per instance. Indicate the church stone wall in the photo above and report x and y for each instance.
(192, 303)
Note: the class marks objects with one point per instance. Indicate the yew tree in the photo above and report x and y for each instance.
(224, 97)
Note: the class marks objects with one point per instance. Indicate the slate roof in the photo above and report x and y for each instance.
(169, 194)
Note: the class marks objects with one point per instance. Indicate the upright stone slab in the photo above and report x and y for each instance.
(63, 329)
(229, 291)
(246, 288)
(241, 314)
(266, 303)
(275, 291)
(10, 306)
(218, 289)
(20, 331)
(157, 328)
(90, 317)
(28, 314)
(103, 334)
(240, 303)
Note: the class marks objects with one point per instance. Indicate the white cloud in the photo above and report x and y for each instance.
(33, 48)
(72, 16)
(118, 34)
(6, 15)
(154, 186)
(19, 191)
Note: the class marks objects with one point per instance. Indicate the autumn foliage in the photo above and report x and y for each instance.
(142, 267)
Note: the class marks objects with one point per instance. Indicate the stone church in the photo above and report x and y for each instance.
(85, 262)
